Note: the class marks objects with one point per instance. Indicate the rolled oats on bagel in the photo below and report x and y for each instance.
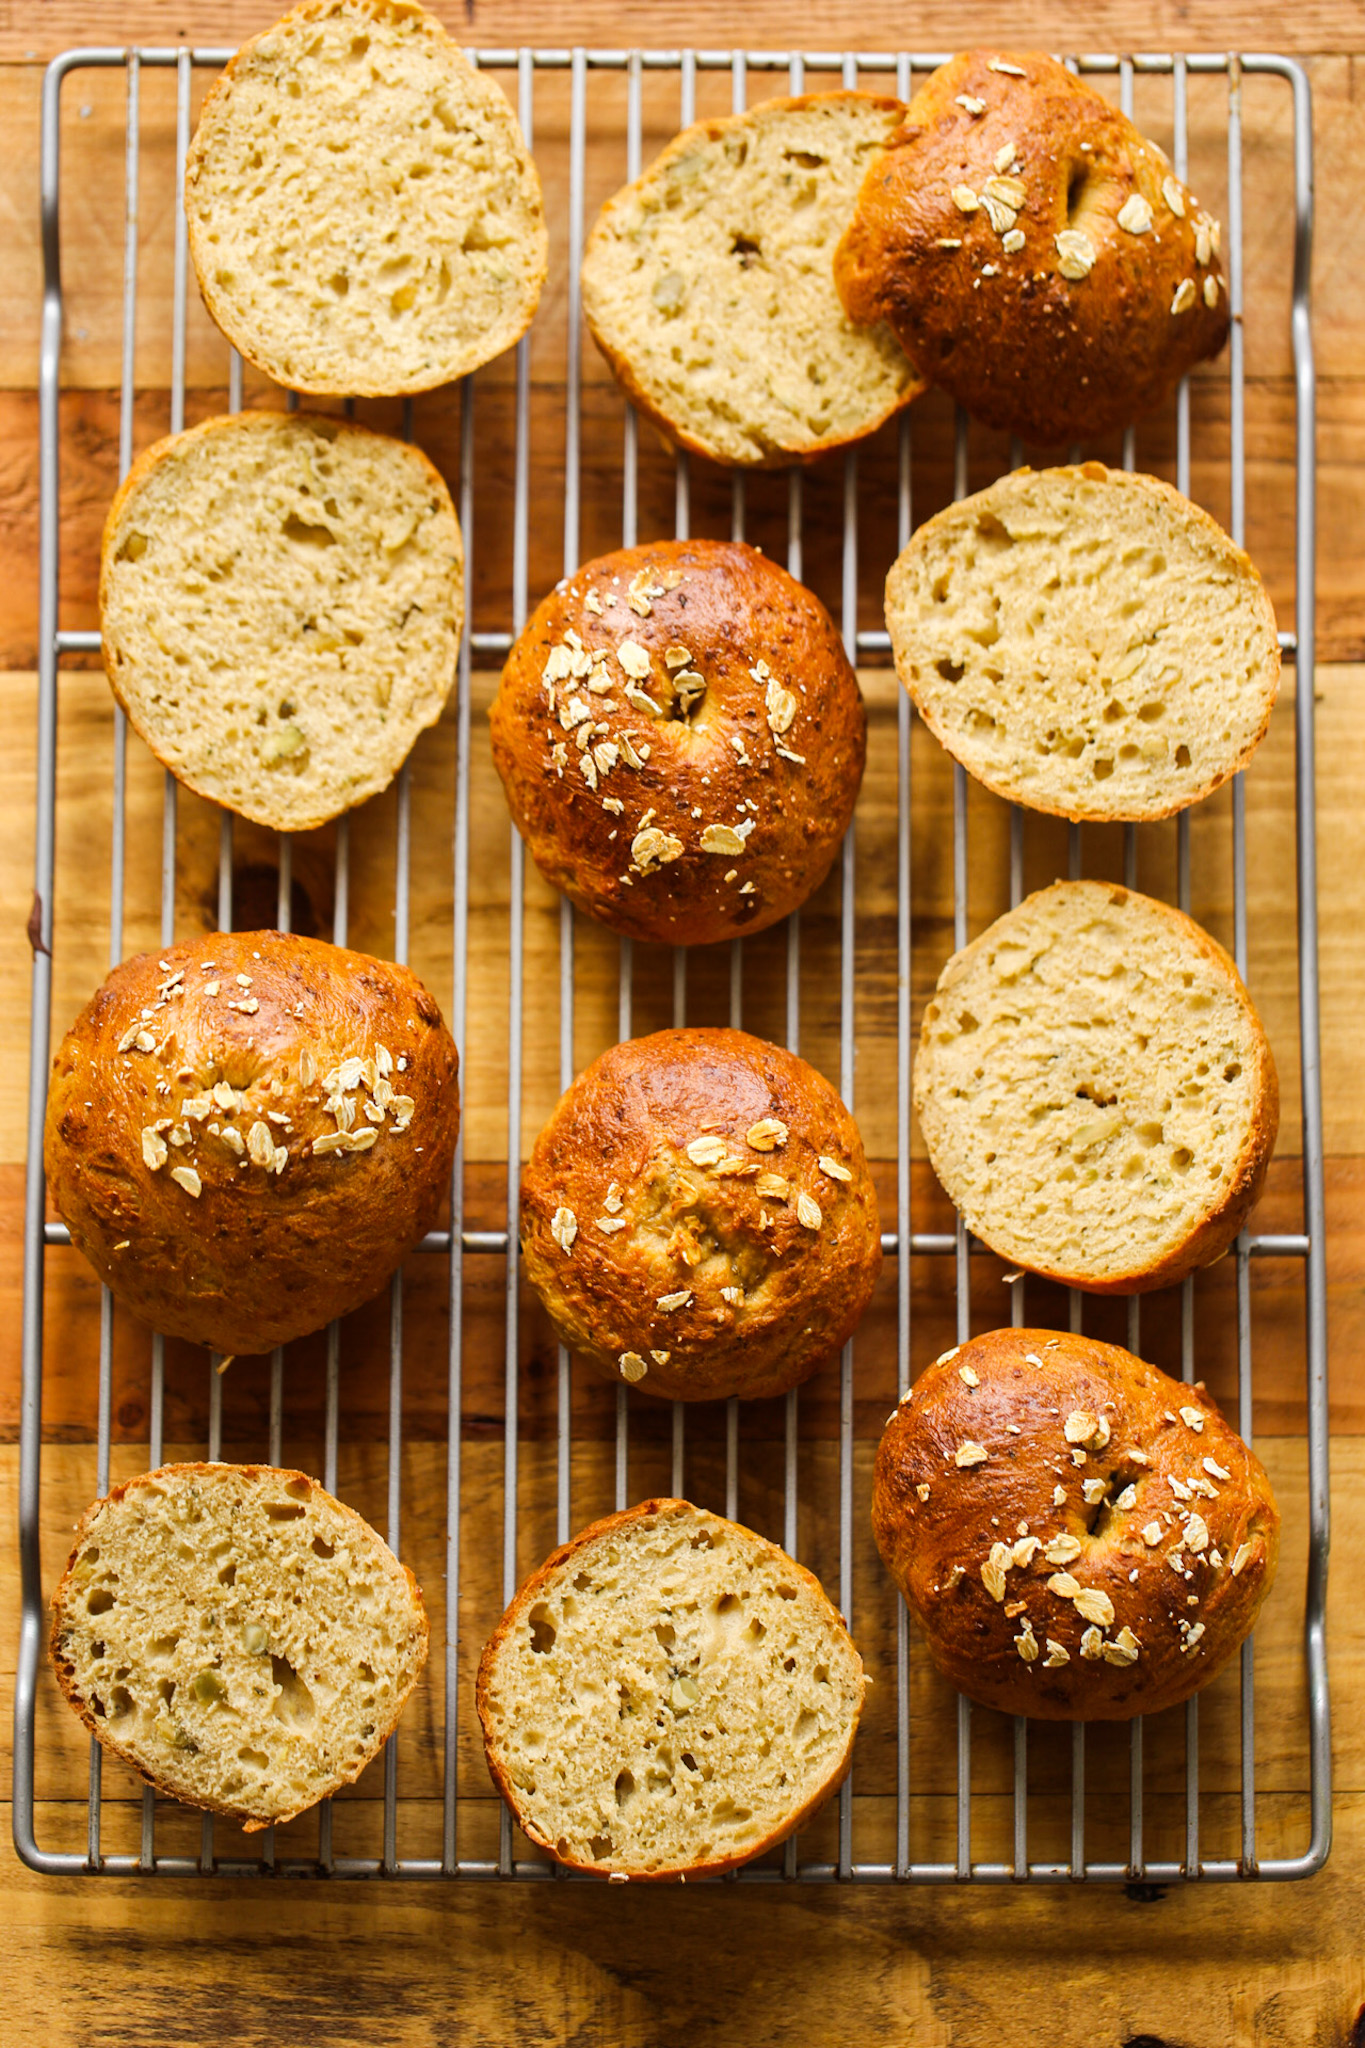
(1081, 1537)
(698, 1218)
(1032, 253)
(247, 1134)
(681, 738)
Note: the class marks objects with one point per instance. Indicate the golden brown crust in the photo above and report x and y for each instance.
(754, 1209)
(265, 1251)
(1187, 1591)
(621, 364)
(931, 705)
(533, 1590)
(66, 1673)
(763, 757)
(216, 303)
(1021, 345)
(1218, 1228)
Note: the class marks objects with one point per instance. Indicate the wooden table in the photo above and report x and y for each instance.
(339, 1963)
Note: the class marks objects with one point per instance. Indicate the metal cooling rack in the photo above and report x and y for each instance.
(487, 649)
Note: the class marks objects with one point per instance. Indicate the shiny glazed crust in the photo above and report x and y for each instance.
(265, 1251)
(764, 761)
(979, 1448)
(1022, 345)
(754, 1203)
(534, 1590)
(100, 1728)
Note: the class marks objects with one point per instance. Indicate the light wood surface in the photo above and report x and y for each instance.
(138, 1963)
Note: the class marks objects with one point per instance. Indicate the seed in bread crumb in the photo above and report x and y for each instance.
(564, 1228)
(1057, 1654)
(188, 1179)
(1027, 1643)
(970, 1453)
(610, 1224)
(1092, 1605)
(781, 707)
(1024, 1552)
(808, 1212)
(679, 1299)
(1092, 1645)
(965, 200)
(1173, 197)
(1079, 1427)
(970, 104)
(154, 1151)
(1062, 1549)
(1013, 241)
(968, 1377)
(734, 1295)
(1192, 1637)
(1193, 1418)
(632, 1366)
(1006, 70)
(1092, 1492)
(1063, 1585)
(612, 1200)
(1196, 1534)
(1151, 1535)
(1059, 1496)
(1241, 1558)
(1185, 293)
(1211, 292)
(767, 1134)
(947, 1357)
(1135, 215)
(833, 1167)
(922, 1489)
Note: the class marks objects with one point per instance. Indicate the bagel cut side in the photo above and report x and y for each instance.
(364, 216)
(1096, 1091)
(708, 285)
(669, 1696)
(242, 1639)
(1085, 641)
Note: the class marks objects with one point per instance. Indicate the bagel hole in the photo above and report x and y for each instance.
(1076, 185)
(1099, 1515)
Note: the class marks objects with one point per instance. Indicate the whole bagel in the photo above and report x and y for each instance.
(246, 1135)
(681, 739)
(1081, 1537)
(698, 1218)
(1032, 253)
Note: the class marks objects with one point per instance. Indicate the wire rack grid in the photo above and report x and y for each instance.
(485, 649)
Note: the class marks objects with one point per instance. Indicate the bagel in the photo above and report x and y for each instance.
(1081, 1537)
(698, 1218)
(281, 602)
(707, 284)
(1086, 642)
(247, 1134)
(364, 216)
(242, 1639)
(667, 1697)
(1032, 253)
(681, 739)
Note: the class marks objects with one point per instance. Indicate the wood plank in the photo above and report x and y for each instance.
(1261, 1967)
(821, 25)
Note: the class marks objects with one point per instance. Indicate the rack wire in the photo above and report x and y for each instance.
(458, 1243)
